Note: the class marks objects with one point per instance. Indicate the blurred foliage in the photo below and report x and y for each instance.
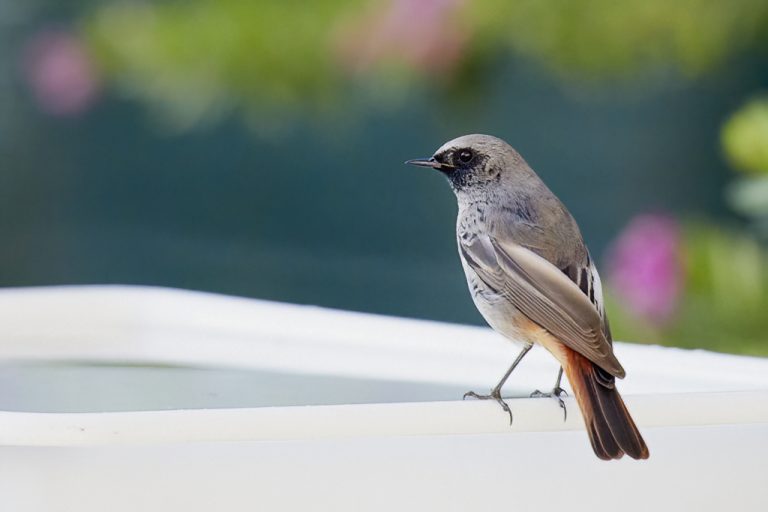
(599, 39)
(197, 60)
(745, 137)
(194, 59)
(725, 299)
(745, 142)
(749, 196)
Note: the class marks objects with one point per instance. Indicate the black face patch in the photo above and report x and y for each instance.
(443, 158)
(458, 177)
(465, 156)
(464, 174)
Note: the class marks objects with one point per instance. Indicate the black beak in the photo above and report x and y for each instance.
(425, 162)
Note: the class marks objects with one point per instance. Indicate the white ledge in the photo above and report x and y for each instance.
(703, 415)
(305, 423)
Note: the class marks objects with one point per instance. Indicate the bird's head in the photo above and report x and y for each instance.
(473, 161)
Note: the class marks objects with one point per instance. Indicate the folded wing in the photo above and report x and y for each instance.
(545, 295)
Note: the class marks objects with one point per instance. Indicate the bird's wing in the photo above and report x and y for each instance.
(544, 294)
(584, 274)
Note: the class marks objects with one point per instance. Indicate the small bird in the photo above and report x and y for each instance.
(531, 277)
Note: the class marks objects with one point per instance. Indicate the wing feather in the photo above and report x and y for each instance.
(545, 295)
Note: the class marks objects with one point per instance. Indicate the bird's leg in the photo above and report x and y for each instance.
(496, 391)
(556, 392)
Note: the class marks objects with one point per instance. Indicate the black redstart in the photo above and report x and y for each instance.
(532, 279)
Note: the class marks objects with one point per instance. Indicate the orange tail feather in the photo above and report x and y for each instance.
(609, 425)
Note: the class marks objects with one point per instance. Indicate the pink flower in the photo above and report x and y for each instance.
(645, 267)
(423, 34)
(60, 72)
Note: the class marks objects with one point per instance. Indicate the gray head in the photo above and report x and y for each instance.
(473, 161)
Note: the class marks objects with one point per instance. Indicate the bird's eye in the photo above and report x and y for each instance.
(466, 156)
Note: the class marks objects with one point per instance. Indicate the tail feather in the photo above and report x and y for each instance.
(606, 450)
(611, 429)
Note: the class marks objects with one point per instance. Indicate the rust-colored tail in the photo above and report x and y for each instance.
(610, 427)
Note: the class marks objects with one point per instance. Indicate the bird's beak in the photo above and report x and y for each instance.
(425, 162)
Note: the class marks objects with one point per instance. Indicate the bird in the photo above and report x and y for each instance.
(533, 280)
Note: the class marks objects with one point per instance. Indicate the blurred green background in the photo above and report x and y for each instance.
(255, 148)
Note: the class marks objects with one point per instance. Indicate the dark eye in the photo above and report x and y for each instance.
(466, 156)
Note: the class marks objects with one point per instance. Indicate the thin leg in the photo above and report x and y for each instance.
(556, 392)
(559, 378)
(517, 360)
(496, 391)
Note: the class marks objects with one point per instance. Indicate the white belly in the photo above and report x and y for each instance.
(500, 314)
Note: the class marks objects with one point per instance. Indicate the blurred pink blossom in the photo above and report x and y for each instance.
(423, 34)
(645, 267)
(59, 70)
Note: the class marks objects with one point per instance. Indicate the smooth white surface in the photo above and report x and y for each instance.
(704, 416)
(533, 471)
(363, 420)
(157, 325)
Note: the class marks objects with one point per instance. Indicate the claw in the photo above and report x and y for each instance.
(556, 393)
(506, 408)
(495, 395)
(562, 406)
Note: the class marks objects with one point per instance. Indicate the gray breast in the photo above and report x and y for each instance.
(500, 314)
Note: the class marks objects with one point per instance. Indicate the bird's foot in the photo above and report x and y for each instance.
(495, 395)
(557, 394)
